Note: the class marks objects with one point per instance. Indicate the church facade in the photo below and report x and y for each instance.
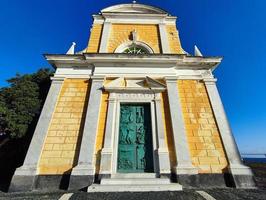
(132, 112)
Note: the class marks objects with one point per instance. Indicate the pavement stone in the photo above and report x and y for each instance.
(187, 194)
(237, 194)
(44, 195)
(180, 195)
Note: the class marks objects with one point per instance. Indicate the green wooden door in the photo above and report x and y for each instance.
(135, 151)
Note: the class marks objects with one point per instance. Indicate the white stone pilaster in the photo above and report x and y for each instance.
(107, 151)
(105, 36)
(164, 38)
(86, 156)
(184, 164)
(30, 164)
(163, 153)
(235, 163)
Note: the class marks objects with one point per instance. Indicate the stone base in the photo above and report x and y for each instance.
(79, 182)
(242, 176)
(244, 181)
(186, 169)
(20, 183)
(203, 180)
(52, 182)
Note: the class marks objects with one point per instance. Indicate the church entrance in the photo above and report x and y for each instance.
(135, 150)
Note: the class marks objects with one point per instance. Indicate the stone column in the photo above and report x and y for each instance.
(242, 174)
(107, 151)
(184, 164)
(105, 36)
(163, 153)
(164, 38)
(24, 177)
(83, 174)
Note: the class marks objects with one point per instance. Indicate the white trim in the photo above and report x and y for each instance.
(136, 97)
(164, 38)
(105, 37)
(107, 151)
(134, 19)
(129, 8)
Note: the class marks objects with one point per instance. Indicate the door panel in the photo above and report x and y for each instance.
(135, 152)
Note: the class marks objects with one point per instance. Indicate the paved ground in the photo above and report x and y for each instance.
(211, 194)
(204, 194)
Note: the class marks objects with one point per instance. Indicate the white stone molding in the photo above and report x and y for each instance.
(236, 166)
(164, 39)
(179, 61)
(134, 85)
(134, 19)
(107, 151)
(163, 153)
(133, 8)
(134, 14)
(120, 95)
(184, 164)
(105, 37)
(86, 158)
(122, 47)
(30, 164)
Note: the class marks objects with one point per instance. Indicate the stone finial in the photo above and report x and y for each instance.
(71, 50)
(197, 51)
(134, 36)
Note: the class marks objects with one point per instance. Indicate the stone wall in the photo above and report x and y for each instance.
(120, 34)
(95, 38)
(62, 143)
(204, 140)
(174, 40)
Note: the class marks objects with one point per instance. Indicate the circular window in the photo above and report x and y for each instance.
(136, 49)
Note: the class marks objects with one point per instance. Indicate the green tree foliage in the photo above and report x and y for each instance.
(21, 102)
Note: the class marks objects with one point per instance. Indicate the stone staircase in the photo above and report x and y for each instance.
(134, 183)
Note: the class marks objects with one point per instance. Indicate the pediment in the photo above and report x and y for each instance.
(133, 8)
(135, 84)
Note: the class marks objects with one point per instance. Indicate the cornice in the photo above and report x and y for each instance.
(179, 61)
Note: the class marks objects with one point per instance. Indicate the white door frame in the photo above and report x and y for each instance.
(124, 98)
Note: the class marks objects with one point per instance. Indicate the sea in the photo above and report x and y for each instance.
(254, 160)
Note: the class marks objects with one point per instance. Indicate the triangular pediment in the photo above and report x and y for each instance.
(123, 83)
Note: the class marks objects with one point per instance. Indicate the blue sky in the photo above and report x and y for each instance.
(235, 29)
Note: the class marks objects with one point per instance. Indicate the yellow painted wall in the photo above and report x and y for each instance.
(204, 140)
(120, 34)
(61, 147)
(95, 38)
(147, 33)
(174, 40)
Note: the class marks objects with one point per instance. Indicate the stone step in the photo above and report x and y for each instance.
(134, 175)
(134, 188)
(135, 181)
